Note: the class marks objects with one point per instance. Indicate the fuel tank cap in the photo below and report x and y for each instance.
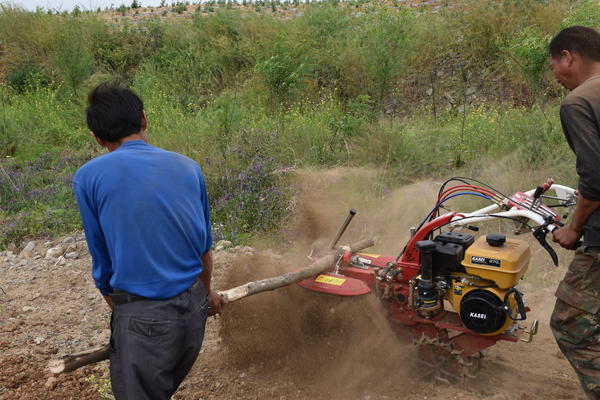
(495, 239)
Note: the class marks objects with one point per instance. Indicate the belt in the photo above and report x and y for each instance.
(593, 249)
(121, 297)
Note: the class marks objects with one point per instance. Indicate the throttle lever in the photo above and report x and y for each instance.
(540, 234)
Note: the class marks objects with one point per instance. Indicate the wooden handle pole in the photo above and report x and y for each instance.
(74, 361)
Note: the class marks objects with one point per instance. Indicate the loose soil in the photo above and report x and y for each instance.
(286, 344)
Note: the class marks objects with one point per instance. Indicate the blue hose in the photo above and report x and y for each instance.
(448, 198)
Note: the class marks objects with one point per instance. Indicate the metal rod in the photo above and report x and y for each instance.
(342, 229)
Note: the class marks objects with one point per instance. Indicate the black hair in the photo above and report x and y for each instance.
(114, 111)
(576, 39)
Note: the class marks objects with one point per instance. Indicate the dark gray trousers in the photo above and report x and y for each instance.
(154, 344)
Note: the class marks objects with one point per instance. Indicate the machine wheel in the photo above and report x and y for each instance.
(440, 361)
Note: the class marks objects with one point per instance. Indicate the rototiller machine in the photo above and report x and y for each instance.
(456, 294)
(453, 294)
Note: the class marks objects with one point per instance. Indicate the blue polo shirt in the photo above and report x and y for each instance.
(146, 219)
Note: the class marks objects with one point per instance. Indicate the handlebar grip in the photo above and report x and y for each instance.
(547, 185)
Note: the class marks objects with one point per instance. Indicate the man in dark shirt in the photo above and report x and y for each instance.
(575, 322)
(147, 224)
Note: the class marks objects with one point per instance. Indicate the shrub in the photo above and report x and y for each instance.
(248, 195)
(73, 59)
(36, 197)
(585, 13)
(282, 71)
(528, 50)
(27, 77)
(384, 46)
(180, 7)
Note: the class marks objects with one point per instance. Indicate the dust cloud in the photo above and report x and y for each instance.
(337, 347)
(334, 347)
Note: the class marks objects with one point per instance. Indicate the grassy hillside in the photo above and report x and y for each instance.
(251, 94)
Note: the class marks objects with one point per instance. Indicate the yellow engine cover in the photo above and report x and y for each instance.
(503, 265)
(461, 285)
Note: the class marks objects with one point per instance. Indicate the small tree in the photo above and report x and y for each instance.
(384, 45)
(586, 13)
(528, 50)
(73, 60)
(282, 71)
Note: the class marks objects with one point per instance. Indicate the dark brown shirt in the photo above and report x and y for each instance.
(580, 118)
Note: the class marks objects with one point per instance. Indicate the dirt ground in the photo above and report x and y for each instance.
(287, 344)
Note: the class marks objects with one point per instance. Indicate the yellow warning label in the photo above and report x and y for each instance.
(330, 280)
(369, 255)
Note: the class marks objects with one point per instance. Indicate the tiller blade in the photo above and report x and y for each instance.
(335, 284)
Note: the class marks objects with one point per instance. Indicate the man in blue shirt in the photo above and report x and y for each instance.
(146, 218)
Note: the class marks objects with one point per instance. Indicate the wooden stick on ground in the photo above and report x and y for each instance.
(72, 362)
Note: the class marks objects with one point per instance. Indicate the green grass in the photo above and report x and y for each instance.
(248, 95)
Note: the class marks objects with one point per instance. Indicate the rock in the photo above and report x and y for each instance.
(72, 255)
(32, 296)
(68, 240)
(80, 237)
(429, 92)
(27, 309)
(37, 257)
(471, 90)
(22, 263)
(61, 261)
(54, 252)
(39, 340)
(28, 250)
(247, 250)
(223, 244)
(51, 383)
(10, 254)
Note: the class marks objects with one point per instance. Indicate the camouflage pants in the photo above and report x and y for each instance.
(575, 320)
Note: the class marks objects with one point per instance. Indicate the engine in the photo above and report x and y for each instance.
(477, 277)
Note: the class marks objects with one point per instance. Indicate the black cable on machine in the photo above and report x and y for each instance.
(475, 216)
(459, 178)
(492, 216)
(465, 180)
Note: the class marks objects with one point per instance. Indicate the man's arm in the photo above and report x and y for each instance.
(568, 235)
(108, 301)
(101, 264)
(207, 268)
(215, 302)
(581, 131)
